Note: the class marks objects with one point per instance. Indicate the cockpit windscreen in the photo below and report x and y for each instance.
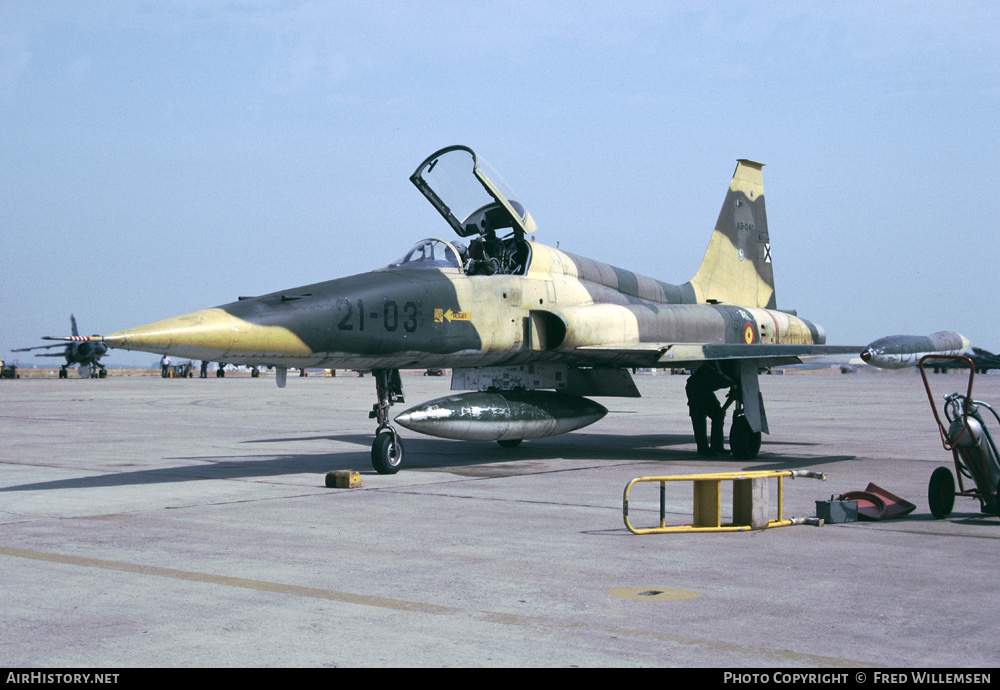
(429, 253)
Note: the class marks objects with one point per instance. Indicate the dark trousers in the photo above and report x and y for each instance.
(701, 411)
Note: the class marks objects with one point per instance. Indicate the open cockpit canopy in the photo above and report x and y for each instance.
(470, 195)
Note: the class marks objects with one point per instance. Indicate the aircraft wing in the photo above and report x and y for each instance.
(39, 347)
(682, 355)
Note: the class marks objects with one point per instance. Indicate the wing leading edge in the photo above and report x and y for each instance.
(682, 355)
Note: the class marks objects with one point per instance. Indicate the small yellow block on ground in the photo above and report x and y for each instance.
(344, 479)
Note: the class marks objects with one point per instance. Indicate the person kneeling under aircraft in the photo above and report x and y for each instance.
(702, 405)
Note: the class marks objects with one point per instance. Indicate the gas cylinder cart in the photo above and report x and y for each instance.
(972, 447)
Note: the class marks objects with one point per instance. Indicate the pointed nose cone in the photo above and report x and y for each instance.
(212, 334)
(205, 331)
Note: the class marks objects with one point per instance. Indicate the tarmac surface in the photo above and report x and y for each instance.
(180, 523)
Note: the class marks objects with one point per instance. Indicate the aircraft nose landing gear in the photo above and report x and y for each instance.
(387, 450)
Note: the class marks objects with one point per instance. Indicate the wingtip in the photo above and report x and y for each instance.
(75, 338)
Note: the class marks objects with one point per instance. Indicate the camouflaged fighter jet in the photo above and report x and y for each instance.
(529, 330)
(79, 351)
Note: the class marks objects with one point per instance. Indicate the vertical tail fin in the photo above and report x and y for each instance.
(72, 320)
(737, 265)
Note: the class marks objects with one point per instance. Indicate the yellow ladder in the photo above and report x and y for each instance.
(750, 499)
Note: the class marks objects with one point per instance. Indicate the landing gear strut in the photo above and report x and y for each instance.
(387, 450)
(744, 441)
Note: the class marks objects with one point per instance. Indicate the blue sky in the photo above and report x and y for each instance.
(161, 157)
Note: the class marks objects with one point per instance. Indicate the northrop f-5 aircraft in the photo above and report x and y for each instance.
(530, 331)
(80, 350)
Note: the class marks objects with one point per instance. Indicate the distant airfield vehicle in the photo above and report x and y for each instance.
(81, 350)
(181, 371)
(530, 330)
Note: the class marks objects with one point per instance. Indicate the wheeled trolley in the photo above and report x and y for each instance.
(972, 447)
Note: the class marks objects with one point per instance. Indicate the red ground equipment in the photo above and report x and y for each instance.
(971, 446)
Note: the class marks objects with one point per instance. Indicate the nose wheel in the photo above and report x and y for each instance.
(387, 450)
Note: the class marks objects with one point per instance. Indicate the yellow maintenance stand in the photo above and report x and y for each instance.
(750, 501)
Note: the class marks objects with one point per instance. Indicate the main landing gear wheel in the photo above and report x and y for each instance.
(941, 492)
(744, 442)
(387, 452)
